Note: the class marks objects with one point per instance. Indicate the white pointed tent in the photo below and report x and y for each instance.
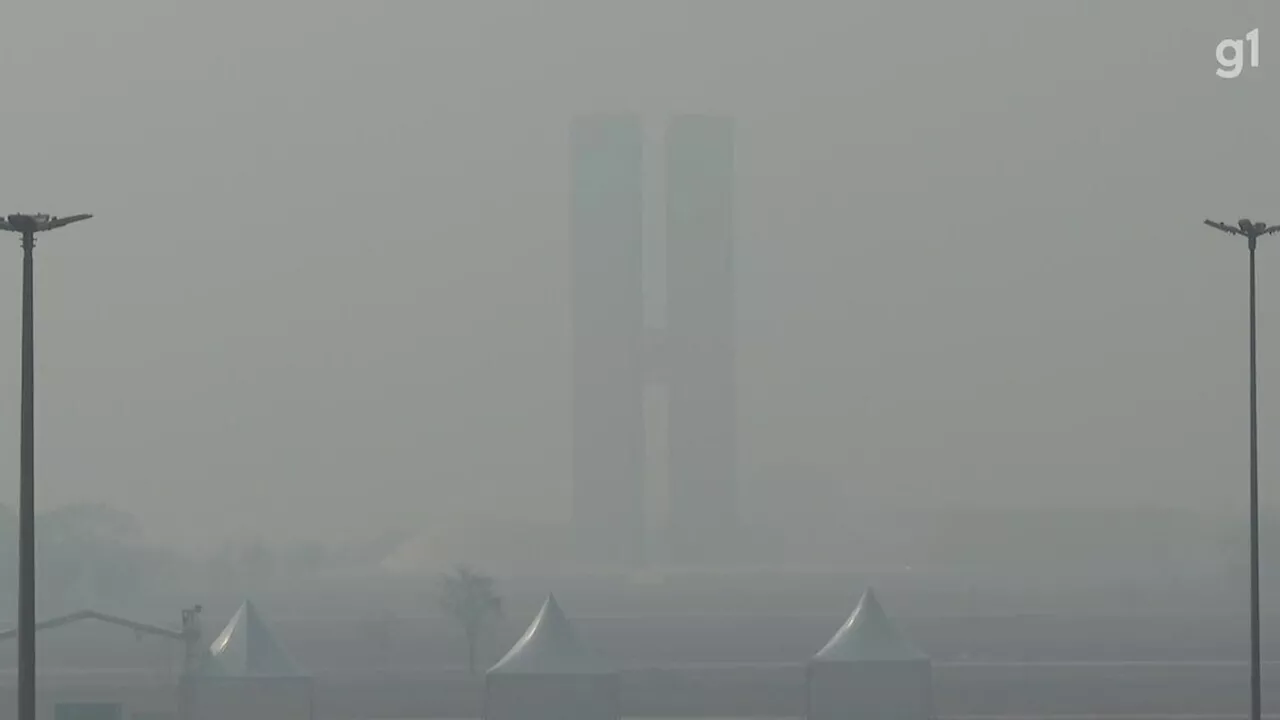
(246, 648)
(548, 646)
(247, 674)
(549, 675)
(868, 669)
(868, 636)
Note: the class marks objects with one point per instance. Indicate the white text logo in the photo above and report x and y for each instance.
(1231, 55)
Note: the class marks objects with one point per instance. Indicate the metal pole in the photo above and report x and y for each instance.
(1255, 613)
(26, 502)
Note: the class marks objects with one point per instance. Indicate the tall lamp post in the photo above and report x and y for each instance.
(1252, 231)
(28, 226)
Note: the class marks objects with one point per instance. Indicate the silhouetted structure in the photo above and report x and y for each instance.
(548, 675)
(868, 670)
(28, 226)
(608, 332)
(1252, 231)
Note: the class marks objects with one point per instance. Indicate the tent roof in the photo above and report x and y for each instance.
(549, 646)
(868, 636)
(246, 648)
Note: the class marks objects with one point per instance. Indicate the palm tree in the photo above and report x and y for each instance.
(469, 598)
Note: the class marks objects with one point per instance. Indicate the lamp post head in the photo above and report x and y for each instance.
(24, 223)
(38, 222)
(1253, 228)
(1244, 227)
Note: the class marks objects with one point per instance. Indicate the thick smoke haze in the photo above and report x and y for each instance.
(326, 290)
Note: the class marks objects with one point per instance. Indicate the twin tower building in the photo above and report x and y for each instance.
(619, 356)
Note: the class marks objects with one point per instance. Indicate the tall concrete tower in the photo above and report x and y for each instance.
(615, 356)
(699, 339)
(608, 340)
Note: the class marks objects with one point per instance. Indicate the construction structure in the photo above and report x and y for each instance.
(60, 701)
(868, 669)
(245, 674)
(549, 675)
(687, 355)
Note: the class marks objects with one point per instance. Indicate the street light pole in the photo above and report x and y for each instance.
(28, 225)
(1252, 231)
(27, 497)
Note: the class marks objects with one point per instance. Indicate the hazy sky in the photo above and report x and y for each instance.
(327, 287)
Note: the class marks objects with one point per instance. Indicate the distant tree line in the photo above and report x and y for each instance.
(91, 555)
(86, 555)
